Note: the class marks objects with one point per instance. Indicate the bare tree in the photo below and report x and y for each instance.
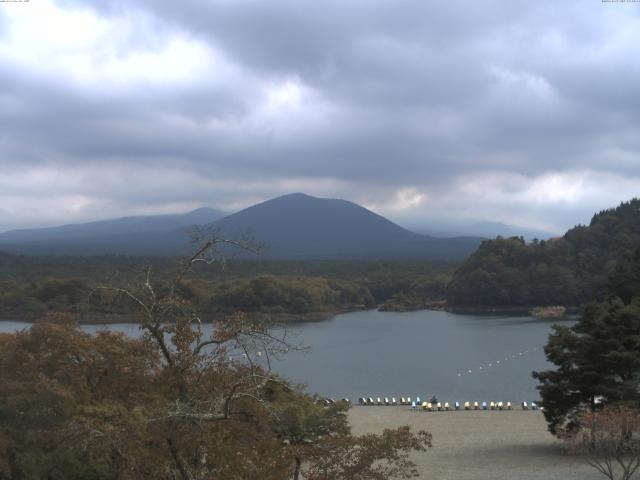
(216, 409)
(207, 374)
(610, 440)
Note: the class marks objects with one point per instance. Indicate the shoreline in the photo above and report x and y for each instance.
(289, 318)
(506, 310)
(108, 318)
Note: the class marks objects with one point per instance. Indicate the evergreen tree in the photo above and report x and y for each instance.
(625, 280)
(597, 357)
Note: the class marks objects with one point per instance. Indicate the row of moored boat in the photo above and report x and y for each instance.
(446, 406)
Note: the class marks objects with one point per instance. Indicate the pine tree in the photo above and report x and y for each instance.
(599, 356)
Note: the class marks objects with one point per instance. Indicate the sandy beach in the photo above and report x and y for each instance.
(474, 445)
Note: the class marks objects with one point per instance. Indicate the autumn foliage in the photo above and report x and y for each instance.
(174, 404)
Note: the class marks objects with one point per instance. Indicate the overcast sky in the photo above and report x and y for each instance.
(525, 112)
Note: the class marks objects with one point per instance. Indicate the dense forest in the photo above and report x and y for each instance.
(570, 270)
(290, 290)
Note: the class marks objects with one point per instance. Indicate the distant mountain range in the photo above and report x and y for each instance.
(443, 229)
(294, 226)
(153, 235)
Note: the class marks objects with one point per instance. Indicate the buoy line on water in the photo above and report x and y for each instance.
(497, 363)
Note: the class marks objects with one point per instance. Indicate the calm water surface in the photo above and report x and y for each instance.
(371, 353)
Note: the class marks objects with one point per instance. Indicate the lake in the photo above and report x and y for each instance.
(371, 353)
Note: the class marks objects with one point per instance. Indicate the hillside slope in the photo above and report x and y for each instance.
(566, 271)
(154, 234)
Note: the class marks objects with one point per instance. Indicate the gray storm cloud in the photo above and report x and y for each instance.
(522, 112)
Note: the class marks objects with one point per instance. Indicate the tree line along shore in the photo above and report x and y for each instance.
(285, 291)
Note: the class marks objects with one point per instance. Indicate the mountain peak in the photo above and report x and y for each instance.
(296, 195)
(298, 225)
(293, 197)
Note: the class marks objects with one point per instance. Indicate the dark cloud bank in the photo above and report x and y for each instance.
(522, 112)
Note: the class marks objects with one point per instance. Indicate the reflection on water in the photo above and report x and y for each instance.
(456, 357)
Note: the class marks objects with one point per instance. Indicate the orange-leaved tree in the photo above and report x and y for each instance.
(182, 401)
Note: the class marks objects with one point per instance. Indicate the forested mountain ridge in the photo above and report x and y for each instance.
(569, 270)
